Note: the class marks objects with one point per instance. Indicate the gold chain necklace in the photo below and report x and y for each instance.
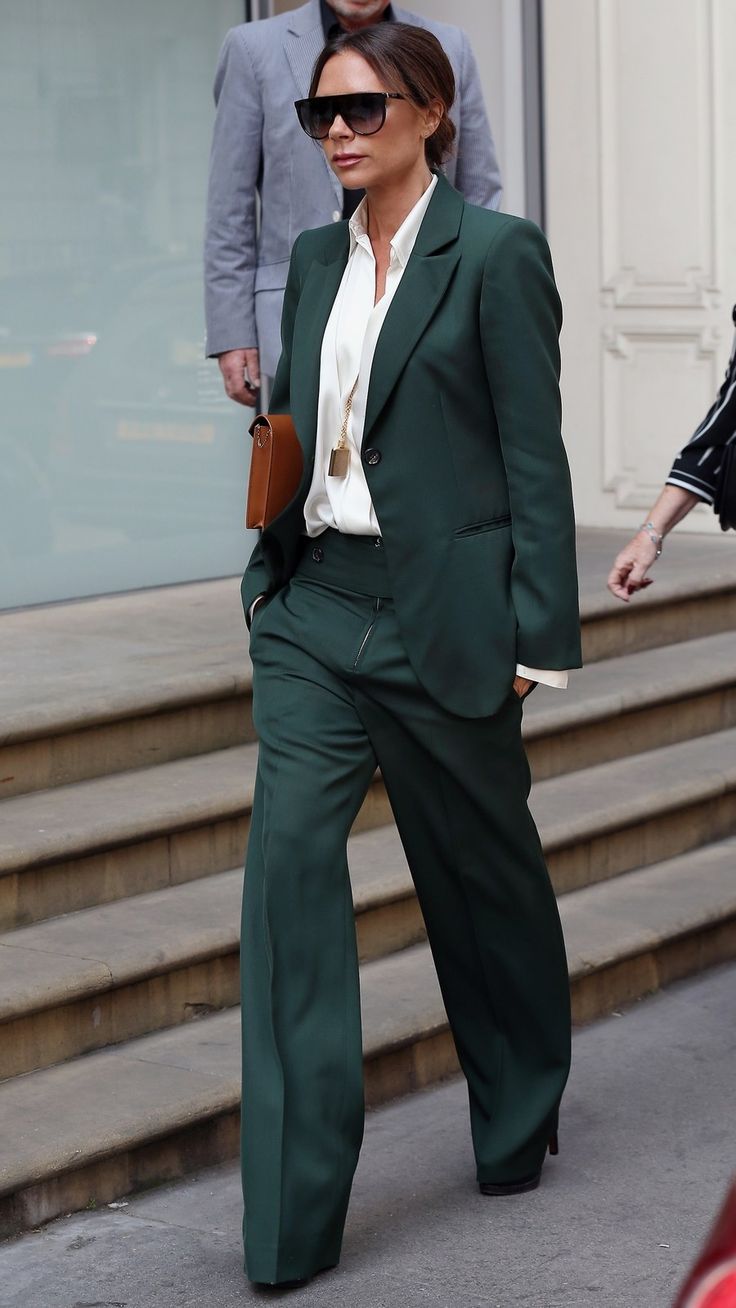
(340, 455)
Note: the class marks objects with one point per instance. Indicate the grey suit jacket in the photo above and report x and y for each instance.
(260, 153)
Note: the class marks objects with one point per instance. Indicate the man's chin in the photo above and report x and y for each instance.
(369, 12)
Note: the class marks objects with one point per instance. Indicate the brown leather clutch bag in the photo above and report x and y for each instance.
(276, 467)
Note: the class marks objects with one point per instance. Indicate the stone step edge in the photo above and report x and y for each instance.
(570, 831)
(707, 783)
(227, 1098)
(178, 691)
(564, 714)
(672, 593)
(553, 718)
(146, 964)
(225, 1094)
(142, 964)
(196, 811)
(189, 689)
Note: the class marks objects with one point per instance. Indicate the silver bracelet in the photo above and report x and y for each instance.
(653, 535)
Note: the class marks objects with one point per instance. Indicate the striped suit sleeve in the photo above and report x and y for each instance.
(697, 465)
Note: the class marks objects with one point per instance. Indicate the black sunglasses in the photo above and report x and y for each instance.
(364, 112)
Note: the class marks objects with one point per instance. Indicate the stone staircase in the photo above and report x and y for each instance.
(127, 765)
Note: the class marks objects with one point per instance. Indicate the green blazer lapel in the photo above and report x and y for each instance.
(315, 303)
(422, 287)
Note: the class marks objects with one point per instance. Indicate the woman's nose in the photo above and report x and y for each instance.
(339, 129)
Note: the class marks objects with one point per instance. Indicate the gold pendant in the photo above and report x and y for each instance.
(339, 462)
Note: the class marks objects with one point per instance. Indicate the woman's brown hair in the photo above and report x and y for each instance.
(409, 59)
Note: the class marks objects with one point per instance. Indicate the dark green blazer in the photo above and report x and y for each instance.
(472, 489)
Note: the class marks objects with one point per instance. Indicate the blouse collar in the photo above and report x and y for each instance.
(402, 242)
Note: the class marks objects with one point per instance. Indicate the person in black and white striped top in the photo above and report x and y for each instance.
(692, 480)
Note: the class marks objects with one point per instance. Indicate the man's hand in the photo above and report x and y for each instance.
(628, 574)
(241, 373)
(522, 686)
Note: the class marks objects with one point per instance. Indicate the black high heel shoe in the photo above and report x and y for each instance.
(526, 1183)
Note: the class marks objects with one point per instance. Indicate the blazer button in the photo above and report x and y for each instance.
(336, 216)
(372, 457)
(318, 554)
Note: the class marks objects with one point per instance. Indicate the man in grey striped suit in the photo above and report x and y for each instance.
(262, 159)
(692, 480)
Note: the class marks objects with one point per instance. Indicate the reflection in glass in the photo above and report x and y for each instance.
(122, 464)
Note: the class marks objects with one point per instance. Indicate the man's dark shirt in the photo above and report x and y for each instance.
(331, 26)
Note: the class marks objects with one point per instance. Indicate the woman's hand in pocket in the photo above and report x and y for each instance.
(257, 602)
(522, 686)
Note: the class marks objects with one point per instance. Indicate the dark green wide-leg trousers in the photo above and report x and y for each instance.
(334, 694)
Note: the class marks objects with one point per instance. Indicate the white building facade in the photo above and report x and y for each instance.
(640, 121)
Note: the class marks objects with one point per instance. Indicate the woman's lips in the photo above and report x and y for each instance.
(347, 160)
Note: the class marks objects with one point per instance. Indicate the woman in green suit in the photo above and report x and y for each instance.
(418, 585)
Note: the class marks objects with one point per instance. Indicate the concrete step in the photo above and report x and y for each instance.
(677, 613)
(119, 682)
(626, 705)
(613, 707)
(602, 821)
(105, 974)
(123, 1118)
(123, 682)
(114, 837)
(693, 594)
(190, 704)
(111, 837)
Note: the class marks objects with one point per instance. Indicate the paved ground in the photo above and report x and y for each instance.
(647, 1147)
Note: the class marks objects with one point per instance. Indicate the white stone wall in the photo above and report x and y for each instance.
(641, 216)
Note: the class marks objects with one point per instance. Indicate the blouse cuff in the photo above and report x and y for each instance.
(544, 676)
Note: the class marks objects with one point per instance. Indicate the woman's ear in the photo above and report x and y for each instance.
(432, 118)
